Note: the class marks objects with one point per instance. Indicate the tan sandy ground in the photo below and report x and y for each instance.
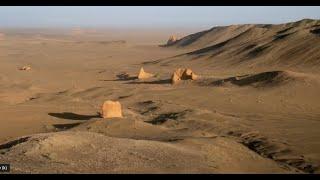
(260, 123)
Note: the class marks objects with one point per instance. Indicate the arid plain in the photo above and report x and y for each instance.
(254, 108)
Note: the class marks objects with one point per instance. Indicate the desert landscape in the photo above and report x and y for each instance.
(240, 98)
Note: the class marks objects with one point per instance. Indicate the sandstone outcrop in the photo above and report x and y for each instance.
(183, 74)
(25, 68)
(111, 109)
(144, 75)
(171, 40)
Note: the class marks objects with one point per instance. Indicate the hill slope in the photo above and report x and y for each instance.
(290, 44)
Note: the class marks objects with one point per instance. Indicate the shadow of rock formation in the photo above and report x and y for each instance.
(73, 116)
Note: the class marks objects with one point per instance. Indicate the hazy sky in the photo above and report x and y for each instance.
(148, 16)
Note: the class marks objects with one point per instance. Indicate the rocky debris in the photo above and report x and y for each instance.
(111, 109)
(183, 74)
(144, 75)
(123, 76)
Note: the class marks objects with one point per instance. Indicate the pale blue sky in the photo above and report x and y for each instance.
(148, 16)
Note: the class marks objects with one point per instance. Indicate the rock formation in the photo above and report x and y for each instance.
(111, 109)
(144, 75)
(25, 68)
(171, 40)
(183, 74)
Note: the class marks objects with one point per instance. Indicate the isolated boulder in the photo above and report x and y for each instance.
(183, 74)
(111, 109)
(144, 75)
(171, 40)
(25, 68)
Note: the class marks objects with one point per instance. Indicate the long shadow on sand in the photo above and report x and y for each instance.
(73, 116)
(162, 81)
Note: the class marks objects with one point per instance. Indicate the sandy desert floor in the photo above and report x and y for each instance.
(259, 123)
